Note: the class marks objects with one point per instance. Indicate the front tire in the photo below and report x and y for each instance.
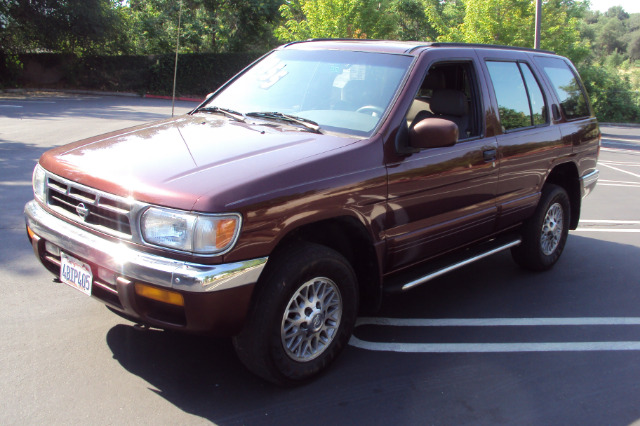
(302, 314)
(544, 235)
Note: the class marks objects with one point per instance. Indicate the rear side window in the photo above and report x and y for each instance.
(567, 86)
(520, 100)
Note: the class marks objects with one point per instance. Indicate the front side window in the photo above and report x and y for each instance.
(567, 86)
(448, 91)
(342, 91)
(520, 100)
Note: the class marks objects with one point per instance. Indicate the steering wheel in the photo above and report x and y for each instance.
(372, 110)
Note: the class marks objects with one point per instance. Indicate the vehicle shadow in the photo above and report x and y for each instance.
(203, 377)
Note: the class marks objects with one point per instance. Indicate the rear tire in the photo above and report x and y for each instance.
(302, 314)
(544, 234)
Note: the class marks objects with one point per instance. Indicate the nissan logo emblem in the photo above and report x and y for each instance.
(82, 211)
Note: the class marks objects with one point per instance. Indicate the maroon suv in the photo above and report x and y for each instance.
(319, 177)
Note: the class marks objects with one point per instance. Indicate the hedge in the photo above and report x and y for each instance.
(198, 73)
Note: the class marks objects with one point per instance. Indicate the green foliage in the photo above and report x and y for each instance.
(611, 94)
(10, 69)
(205, 25)
(512, 23)
(608, 71)
(73, 26)
(305, 19)
(198, 73)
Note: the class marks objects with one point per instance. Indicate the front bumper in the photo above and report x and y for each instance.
(216, 297)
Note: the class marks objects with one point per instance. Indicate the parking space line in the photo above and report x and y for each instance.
(495, 347)
(619, 150)
(495, 322)
(620, 170)
(637, 185)
(621, 163)
(627, 222)
(609, 138)
(592, 225)
(605, 230)
(618, 181)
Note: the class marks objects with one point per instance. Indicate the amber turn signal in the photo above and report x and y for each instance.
(160, 295)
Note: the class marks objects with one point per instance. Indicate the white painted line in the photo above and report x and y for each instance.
(24, 101)
(493, 347)
(608, 138)
(495, 322)
(620, 163)
(618, 151)
(605, 230)
(10, 106)
(618, 181)
(609, 221)
(619, 185)
(16, 183)
(620, 170)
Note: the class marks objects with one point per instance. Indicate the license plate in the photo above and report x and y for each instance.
(75, 273)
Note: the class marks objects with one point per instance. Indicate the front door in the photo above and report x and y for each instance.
(443, 198)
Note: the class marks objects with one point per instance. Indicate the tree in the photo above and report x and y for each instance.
(206, 25)
(305, 19)
(72, 26)
(511, 22)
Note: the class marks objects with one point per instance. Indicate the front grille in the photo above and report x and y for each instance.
(104, 212)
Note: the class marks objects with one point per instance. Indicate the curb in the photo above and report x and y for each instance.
(186, 99)
(74, 92)
(620, 124)
(101, 93)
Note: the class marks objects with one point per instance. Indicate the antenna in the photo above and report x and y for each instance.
(175, 68)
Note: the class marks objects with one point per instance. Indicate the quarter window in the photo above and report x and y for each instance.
(520, 100)
(567, 86)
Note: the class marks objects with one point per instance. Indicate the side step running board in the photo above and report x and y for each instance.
(455, 265)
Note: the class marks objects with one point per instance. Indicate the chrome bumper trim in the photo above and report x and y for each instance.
(137, 265)
(588, 182)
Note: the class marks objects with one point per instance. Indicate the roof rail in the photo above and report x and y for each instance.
(479, 45)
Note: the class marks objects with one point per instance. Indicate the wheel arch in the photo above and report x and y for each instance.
(349, 237)
(566, 176)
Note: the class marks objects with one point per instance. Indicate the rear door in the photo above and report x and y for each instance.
(528, 142)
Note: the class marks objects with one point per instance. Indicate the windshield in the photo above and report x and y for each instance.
(341, 91)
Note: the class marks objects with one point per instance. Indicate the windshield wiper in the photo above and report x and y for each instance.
(306, 123)
(238, 116)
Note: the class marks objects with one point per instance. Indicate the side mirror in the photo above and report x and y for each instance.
(433, 133)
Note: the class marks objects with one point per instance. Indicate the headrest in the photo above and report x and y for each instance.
(448, 102)
(354, 90)
(433, 81)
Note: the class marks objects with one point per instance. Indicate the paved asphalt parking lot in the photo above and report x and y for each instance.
(486, 344)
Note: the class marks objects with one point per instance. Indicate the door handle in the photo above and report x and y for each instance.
(489, 155)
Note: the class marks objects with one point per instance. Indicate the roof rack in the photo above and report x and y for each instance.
(479, 45)
(419, 44)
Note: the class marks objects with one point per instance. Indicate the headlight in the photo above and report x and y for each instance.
(39, 183)
(192, 232)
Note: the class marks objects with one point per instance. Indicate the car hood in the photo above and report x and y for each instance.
(177, 161)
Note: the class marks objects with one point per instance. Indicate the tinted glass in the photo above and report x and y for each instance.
(572, 99)
(538, 109)
(513, 103)
(340, 90)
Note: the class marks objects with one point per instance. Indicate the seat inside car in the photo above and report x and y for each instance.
(450, 105)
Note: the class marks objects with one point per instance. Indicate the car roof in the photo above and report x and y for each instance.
(391, 46)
